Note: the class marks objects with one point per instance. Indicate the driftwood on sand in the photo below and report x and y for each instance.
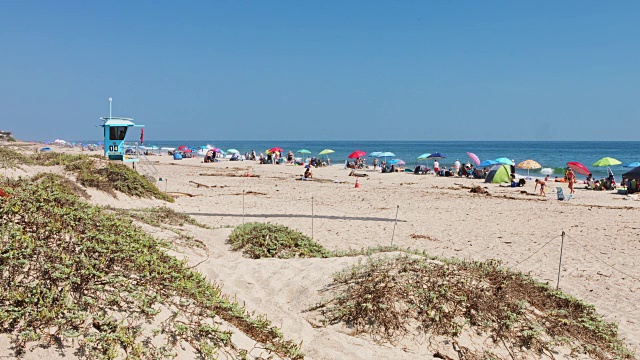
(177, 193)
(230, 175)
(199, 184)
(354, 173)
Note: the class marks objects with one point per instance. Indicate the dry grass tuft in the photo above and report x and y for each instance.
(389, 298)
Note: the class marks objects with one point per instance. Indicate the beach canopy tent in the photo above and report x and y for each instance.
(633, 179)
(633, 164)
(633, 174)
(499, 174)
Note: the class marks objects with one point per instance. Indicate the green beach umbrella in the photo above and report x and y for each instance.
(233, 151)
(424, 156)
(326, 151)
(303, 151)
(607, 161)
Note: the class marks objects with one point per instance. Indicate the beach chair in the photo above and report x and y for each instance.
(560, 193)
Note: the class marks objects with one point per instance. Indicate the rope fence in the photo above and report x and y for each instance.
(316, 209)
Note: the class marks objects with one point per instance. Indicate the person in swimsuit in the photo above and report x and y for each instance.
(542, 186)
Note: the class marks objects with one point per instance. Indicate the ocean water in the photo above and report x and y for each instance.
(550, 154)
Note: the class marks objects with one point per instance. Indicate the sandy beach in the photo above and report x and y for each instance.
(600, 263)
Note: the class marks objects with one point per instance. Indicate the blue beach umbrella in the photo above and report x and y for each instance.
(436, 155)
(488, 163)
(505, 161)
(385, 155)
(375, 153)
(634, 164)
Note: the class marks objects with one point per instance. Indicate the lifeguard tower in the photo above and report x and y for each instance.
(115, 132)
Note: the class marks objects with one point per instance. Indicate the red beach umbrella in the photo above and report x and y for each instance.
(578, 167)
(187, 150)
(275, 149)
(357, 154)
(182, 147)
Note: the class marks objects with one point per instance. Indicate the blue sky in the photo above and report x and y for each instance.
(324, 70)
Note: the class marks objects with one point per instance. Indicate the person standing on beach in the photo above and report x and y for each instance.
(436, 166)
(571, 179)
(375, 163)
(542, 186)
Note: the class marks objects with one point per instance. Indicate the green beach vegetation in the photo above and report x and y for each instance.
(391, 297)
(266, 240)
(91, 171)
(71, 271)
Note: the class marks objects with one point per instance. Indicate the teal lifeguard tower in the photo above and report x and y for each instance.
(115, 132)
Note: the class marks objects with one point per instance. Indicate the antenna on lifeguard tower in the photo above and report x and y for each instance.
(110, 100)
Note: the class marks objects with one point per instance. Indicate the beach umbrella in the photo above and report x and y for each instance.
(203, 147)
(529, 164)
(386, 154)
(357, 154)
(424, 156)
(303, 151)
(634, 164)
(578, 167)
(435, 156)
(487, 163)
(474, 158)
(182, 147)
(187, 150)
(233, 151)
(607, 161)
(275, 149)
(326, 152)
(218, 150)
(375, 153)
(504, 161)
(396, 162)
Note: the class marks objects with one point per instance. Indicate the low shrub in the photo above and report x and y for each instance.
(69, 271)
(260, 240)
(389, 298)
